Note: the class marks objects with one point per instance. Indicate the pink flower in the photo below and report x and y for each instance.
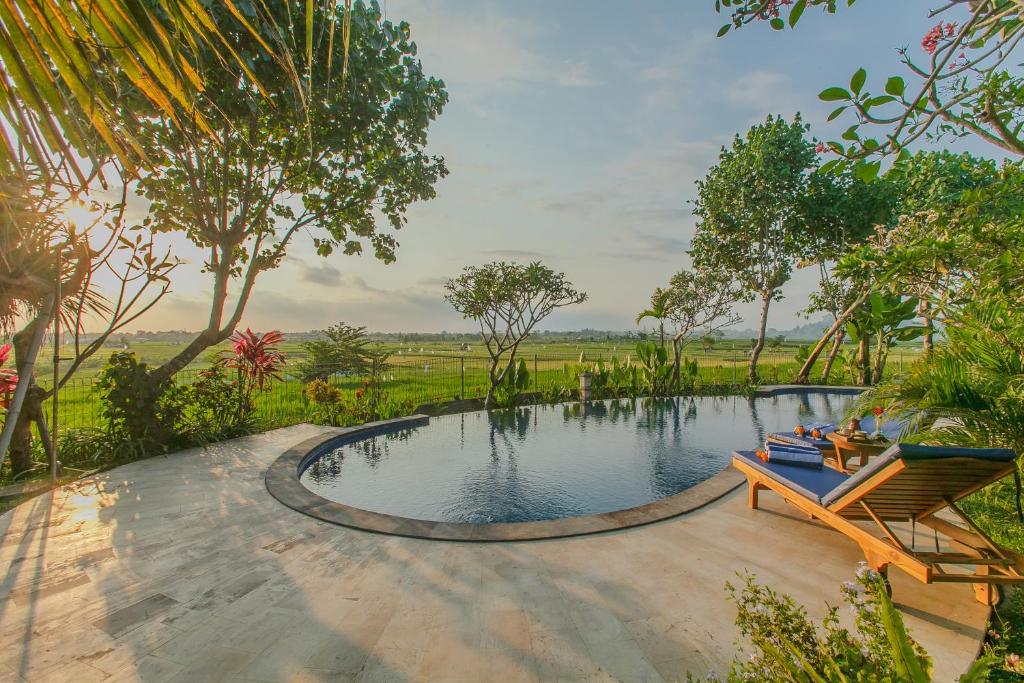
(820, 148)
(931, 39)
(878, 410)
(5, 353)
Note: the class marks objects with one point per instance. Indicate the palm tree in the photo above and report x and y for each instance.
(968, 391)
(660, 308)
(59, 63)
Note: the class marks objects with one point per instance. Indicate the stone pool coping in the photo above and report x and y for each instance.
(283, 484)
(282, 481)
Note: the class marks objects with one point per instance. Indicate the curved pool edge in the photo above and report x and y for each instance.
(282, 482)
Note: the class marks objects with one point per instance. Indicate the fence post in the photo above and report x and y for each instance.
(535, 378)
(734, 365)
(462, 373)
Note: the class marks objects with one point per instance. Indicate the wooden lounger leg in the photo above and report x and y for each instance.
(988, 594)
(753, 487)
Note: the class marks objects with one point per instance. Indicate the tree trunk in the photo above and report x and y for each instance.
(837, 344)
(21, 441)
(864, 360)
(928, 334)
(805, 371)
(26, 406)
(755, 353)
(880, 357)
(205, 340)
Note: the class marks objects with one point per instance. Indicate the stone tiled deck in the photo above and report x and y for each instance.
(185, 568)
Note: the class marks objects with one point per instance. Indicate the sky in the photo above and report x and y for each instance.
(575, 133)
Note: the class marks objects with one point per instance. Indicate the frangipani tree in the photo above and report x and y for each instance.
(962, 80)
(508, 300)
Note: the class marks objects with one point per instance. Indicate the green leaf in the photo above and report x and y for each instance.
(895, 86)
(881, 99)
(777, 24)
(796, 12)
(725, 29)
(834, 94)
(867, 172)
(835, 114)
(857, 81)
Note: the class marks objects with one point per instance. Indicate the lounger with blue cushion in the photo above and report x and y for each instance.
(906, 483)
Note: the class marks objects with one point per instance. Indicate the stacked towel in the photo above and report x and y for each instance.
(792, 454)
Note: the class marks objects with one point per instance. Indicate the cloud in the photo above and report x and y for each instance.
(513, 253)
(323, 273)
(646, 246)
(765, 91)
(479, 48)
(577, 75)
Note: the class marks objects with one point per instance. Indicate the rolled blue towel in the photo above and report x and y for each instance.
(800, 456)
(825, 427)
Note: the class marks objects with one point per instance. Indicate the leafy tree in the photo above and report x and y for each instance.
(507, 300)
(276, 168)
(750, 211)
(700, 299)
(659, 311)
(882, 318)
(965, 82)
(344, 351)
(841, 212)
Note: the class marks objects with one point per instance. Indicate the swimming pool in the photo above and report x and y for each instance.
(552, 462)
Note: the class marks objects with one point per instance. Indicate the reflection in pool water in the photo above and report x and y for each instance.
(549, 462)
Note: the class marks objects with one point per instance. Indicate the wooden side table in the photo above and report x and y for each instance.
(849, 446)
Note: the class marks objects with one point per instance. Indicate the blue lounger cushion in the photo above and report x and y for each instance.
(810, 483)
(908, 451)
(802, 456)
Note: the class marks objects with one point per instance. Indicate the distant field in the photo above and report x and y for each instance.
(440, 371)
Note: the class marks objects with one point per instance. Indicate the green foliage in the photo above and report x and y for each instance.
(655, 371)
(282, 164)
(136, 409)
(752, 218)
(515, 381)
(325, 404)
(345, 352)
(788, 646)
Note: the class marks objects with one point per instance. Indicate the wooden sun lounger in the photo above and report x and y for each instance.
(906, 483)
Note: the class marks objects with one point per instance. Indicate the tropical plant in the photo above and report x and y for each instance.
(8, 378)
(968, 390)
(966, 79)
(513, 383)
(507, 300)
(332, 165)
(343, 352)
(655, 371)
(659, 310)
(788, 646)
(256, 360)
(751, 219)
(65, 68)
(883, 318)
(325, 404)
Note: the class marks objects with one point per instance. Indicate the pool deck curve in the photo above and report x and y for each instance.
(184, 568)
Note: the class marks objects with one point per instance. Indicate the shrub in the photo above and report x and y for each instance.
(788, 646)
(515, 382)
(142, 415)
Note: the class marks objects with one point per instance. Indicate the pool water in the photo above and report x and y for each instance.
(550, 462)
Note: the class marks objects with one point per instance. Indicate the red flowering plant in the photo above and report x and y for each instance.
(257, 361)
(8, 378)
